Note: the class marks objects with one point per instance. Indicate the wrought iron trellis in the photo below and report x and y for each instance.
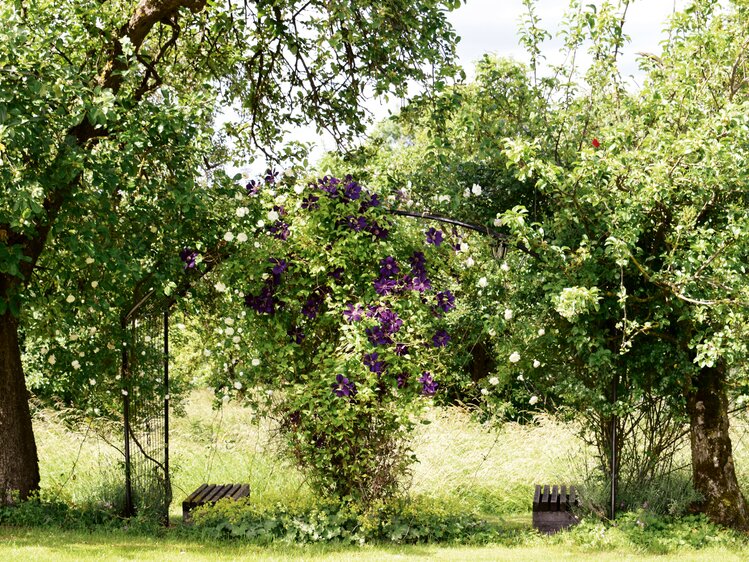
(145, 404)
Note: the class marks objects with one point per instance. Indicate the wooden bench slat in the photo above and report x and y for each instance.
(211, 493)
(192, 497)
(553, 507)
(217, 494)
(207, 491)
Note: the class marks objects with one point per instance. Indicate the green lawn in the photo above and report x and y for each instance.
(53, 545)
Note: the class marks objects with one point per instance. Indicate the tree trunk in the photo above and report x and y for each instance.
(712, 457)
(19, 466)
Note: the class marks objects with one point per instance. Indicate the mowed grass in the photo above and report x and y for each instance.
(487, 469)
(63, 546)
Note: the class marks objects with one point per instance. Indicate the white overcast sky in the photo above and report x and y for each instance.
(490, 26)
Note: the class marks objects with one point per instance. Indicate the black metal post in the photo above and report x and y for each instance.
(614, 456)
(129, 508)
(167, 480)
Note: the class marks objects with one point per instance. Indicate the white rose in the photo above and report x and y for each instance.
(483, 282)
(70, 299)
(299, 188)
(508, 314)
(476, 189)
(541, 331)
(536, 363)
(498, 221)
(470, 262)
(92, 382)
(241, 237)
(505, 266)
(494, 381)
(229, 236)
(255, 362)
(52, 359)
(76, 365)
(242, 211)
(220, 287)
(533, 400)
(229, 331)
(94, 284)
(521, 378)
(238, 385)
(467, 192)
(89, 261)
(514, 357)
(484, 391)
(272, 216)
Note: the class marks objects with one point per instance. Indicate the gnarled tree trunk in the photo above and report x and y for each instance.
(712, 457)
(19, 467)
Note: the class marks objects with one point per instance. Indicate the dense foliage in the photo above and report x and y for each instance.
(109, 130)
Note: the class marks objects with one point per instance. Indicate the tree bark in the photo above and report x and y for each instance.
(19, 466)
(712, 456)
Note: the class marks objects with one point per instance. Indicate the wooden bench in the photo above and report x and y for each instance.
(552, 508)
(211, 493)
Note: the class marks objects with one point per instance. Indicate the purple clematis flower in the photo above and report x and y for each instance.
(270, 175)
(343, 387)
(373, 201)
(385, 286)
(389, 321)
(188, 256)
(377, 336)
(279, 266)
(428, 384)
(311, 308)
(388, 267)
(378, 231)
(421, 284)
(264, 303)
(441, 338)
(434, 236)
(353, 313)
(311, 202)
(372, 361)
(445, 300)
(253, 188)
(280, 230)
(401, 349)
(351, 190)
(296, 334)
